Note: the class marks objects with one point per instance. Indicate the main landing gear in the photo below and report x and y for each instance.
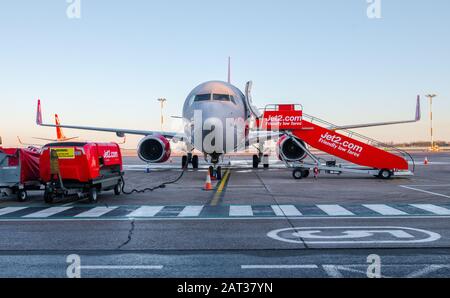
(264, 159)
(189, 159)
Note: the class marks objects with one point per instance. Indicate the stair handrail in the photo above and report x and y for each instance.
(370, 141)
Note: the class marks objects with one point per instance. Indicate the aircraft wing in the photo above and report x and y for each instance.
(118, 131)
(416, 119)
(44, 139)
(26, 144)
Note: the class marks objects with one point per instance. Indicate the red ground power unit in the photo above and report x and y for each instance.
(19, 171)
(80, 168)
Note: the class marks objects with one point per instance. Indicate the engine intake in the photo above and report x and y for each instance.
(290, 150)
(154, 149)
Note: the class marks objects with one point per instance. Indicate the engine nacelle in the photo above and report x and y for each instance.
(154, 149)
(290, 149)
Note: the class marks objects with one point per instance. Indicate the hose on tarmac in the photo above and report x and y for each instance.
(149, 189)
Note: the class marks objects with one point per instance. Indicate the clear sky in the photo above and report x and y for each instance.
(109, 67)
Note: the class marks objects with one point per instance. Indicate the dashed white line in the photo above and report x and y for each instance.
(335, 210)
(432, 208)
(8, 210)
(121, 267)
(47, 212)
(384, 209)
(146, 211)
(312, 266)
(191, 211)
(286, 210)
(96, 212)
(244, 210)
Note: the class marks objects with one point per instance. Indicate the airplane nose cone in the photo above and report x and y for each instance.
(214, 128)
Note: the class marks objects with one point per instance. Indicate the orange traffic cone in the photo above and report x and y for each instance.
(208, 185)
(425, 162)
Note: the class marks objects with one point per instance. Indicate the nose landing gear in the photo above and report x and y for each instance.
(216, 172)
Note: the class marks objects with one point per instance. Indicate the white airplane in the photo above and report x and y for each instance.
(216, 121)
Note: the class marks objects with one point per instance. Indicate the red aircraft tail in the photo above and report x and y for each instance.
(59, 133)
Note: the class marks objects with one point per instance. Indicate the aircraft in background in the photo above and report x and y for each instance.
(208, 106)
(60, 137)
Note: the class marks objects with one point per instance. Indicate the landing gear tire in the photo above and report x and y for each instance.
(385, 174)
(211, 170)
(266, 161)
(219, 173)
(297, 174)
(195, 161)
(22, 196)
(184, 161)
(93, 195)
(255, 161)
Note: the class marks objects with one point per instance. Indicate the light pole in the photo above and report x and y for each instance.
(162, 101)
(430, 97)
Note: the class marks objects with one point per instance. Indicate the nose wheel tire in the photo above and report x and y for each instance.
(219, 173)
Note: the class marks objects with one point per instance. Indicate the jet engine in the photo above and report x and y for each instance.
(290, 150)
(154, 149)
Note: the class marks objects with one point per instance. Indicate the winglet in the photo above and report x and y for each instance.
(418, 112)
(39, 113)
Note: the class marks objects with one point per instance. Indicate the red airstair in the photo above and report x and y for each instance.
(371, 156)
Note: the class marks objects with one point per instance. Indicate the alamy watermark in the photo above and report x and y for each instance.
(374, 269)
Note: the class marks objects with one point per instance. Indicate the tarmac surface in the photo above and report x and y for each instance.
(255, 223)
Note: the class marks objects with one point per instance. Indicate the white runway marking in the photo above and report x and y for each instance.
(241, 211)
(332, 271)
(335, 210)
(425, 271)
(96, 212)
(279, 266)
(146, 211)
(286, 210)
(432, 208)
(384, 209)
(10, 210)
(426, 191)
(191, 211)
(121, 267)
(47, 212)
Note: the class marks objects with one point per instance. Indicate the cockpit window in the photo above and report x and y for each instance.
(202, 97)
(221, 97)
